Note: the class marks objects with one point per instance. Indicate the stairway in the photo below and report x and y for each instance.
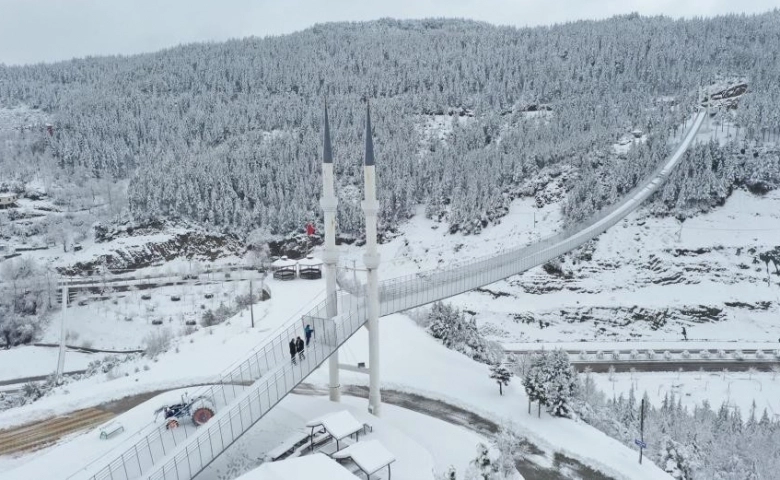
(270, 375)
(184, 452)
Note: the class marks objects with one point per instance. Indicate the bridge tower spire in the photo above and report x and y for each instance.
(371, 261)
(330, 256)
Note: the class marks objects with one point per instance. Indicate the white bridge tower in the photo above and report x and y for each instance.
(330, 257)
(371, 260)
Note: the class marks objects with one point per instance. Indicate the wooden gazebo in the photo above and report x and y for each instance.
(284, 268)
(310, 268)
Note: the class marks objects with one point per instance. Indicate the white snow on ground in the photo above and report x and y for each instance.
(425, 244)
(192, 359)
(618, 276)
(414, 462)
(125, 321)
(308, 467)
(30, 361)
(736, 389)
(413, 361)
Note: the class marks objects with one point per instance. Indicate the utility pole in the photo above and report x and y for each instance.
(251, 305)
(61, 357)
(641, 430)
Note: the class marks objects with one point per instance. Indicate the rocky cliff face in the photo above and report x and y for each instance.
(193, 245)
(718, 275)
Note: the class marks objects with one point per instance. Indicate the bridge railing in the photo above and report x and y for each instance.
(417, 289)
(217, 435)
(272, 373)
(265, 364)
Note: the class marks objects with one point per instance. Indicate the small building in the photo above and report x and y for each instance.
(284, 268)
(8, 200)
(310, 268)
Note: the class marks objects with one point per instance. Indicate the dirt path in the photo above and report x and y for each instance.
(39, 434)
(45, 432)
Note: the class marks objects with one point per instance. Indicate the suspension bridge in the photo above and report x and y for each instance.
(247, 392)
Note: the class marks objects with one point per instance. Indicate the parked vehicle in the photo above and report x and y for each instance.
(199, 409)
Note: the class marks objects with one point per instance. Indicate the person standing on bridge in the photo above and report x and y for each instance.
(293, 350)
(685, 334)
(299, 347)
(308, 332)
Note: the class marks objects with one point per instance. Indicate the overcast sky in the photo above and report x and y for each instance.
(47, 30)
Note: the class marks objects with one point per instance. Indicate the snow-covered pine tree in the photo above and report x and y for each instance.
(561, 385)
(501, 375)
(534, 382)
(458, 333)
(485, 468)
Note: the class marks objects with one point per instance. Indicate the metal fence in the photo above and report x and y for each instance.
(242, 396)
(247, 392)
(411, 291)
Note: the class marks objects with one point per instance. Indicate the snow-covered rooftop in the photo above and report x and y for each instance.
(370, 455)
(283, 262)
(339, 425)
(310, 261)
(310, 467)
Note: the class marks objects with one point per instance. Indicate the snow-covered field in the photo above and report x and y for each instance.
(124, 321)
(28, 361)
(192, 359)
(735, 389)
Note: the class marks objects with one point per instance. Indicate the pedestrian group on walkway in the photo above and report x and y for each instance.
(297, 345)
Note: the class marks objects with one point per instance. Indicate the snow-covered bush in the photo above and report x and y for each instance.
(721, 353)
(215, 317)
(667, 355)
(483, 467)
(634, 354)
(510, 449)
(458, 333)
(157, 342)
(676, 460)
(760, 354)
(651, 354)
(705, 354)
(189, 330)
(686, 354)
(600, 355)
(32, 391)
(616, 355)
(738, 355)
(450, 474)
(583, 355)
(777, 354)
